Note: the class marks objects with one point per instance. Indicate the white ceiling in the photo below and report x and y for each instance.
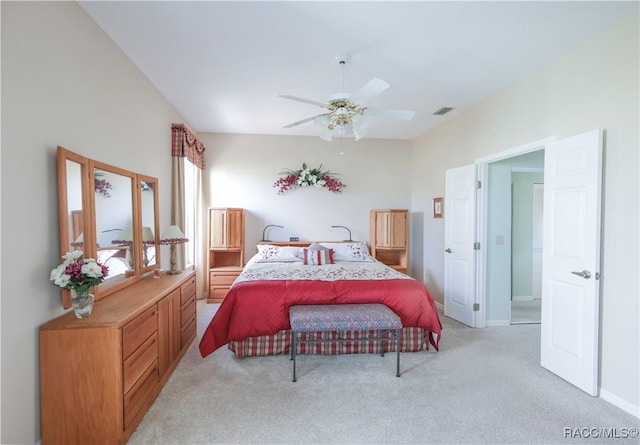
(223, 64)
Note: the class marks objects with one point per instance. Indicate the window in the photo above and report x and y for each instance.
(190, 197)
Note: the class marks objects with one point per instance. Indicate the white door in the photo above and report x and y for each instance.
(571, 259)
(536, 266)
(459, 238)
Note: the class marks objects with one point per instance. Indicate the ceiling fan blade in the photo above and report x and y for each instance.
(303, 121)
(390, 113)
(374, 87)
(306, 101)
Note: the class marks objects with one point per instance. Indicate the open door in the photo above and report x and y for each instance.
(571, 259)
(459, 243)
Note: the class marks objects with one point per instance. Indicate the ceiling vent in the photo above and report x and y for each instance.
(443, 110)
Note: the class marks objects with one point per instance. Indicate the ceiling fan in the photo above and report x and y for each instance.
(346, 112)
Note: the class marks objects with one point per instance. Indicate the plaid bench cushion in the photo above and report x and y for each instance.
(342, 317)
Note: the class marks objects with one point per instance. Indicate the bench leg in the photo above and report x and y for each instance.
(293, 354)
(398, 353)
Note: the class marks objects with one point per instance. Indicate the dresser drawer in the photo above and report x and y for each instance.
(137, 331)
(188, 311)
(138, 362)
(188, 331)
(188, 290)
(141, 392)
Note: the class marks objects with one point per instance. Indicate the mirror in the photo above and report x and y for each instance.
(72, 174)
(148, 187)
(74, 206)
(110, 214)
(113, 210)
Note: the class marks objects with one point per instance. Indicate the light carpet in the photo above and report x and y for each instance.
(526, 311)
(485, 386)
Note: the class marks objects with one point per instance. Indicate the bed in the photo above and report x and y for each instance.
(253, 319)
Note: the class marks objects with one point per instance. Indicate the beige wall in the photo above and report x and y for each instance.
(64, 82)
(594, 86)
(243, 168)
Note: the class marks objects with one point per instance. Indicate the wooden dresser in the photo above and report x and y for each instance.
(99, 375)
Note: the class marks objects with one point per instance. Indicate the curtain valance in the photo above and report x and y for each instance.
(184, 143)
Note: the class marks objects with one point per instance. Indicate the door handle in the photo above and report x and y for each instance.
(447, 250)
(584, 274)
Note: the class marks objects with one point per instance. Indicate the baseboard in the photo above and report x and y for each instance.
(620, 403)
(498, 323)
(522, 298)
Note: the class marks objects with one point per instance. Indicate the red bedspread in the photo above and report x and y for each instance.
(254, 308)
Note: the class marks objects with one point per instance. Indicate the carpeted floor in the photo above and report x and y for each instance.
(525, 311)
(485, 386)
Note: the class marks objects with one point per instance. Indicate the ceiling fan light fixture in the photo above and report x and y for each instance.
(322, 123)
(360, 125)
(345, 113)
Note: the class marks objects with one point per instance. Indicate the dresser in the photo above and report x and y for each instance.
(99, 375)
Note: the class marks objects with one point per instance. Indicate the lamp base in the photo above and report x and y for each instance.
(174, 272)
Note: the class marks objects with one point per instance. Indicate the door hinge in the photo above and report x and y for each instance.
(476, 246)
(597, 275)
(478, 184)
(476, 307)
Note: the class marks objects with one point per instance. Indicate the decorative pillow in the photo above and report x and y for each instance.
(277, 254)
(317, 257)
(356, 251)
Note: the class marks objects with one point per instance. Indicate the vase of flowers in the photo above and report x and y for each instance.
(79, 274)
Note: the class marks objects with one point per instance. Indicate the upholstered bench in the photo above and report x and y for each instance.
(343, 317)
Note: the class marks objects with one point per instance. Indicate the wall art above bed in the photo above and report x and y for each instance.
(308, 177)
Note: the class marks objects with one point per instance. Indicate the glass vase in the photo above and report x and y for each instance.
(82, 303)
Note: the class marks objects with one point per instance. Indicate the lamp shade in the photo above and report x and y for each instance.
(125, 237)
(173, 235)
(147, 235)
(79, 241)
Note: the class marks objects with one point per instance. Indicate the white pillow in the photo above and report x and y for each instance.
(355, 251)
(277, 254)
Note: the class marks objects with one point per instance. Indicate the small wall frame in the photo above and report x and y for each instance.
(437, 207)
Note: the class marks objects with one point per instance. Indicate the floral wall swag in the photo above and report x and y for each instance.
(102, 186)
(306, 177)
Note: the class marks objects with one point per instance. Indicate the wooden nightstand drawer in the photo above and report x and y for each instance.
(222, 278)
(218, 291)
(139, 361)
(138, 330)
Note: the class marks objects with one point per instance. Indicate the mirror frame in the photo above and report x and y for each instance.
(87, 166)
(63, 156)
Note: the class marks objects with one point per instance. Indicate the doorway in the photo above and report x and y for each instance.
(571, 253)
(514, 239)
